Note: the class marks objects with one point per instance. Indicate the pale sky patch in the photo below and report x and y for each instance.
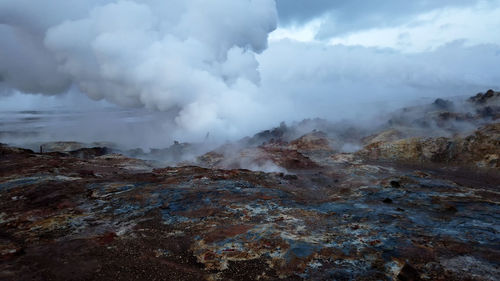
(426, 32)
(301, 33)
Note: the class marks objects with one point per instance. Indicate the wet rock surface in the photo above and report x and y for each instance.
(115, 218)
(403, 207)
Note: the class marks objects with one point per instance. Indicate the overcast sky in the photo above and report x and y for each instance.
(344, 16)
(410, 26)
(235, 66)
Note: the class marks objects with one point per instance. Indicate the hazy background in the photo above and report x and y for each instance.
(145, 73)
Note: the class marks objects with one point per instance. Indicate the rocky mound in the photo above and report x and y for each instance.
(444, 117)
(87, 153)
(264, 158)
(490, 97)
(384, 136)
(271, 155)
(482, 148)
(7, 150)
(316, 140)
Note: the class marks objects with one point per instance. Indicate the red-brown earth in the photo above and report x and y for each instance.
(403, 207)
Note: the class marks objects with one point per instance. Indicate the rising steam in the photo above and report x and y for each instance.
(209, 63)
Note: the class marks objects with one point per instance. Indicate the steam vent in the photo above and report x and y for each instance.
(242, 140)
(402, 206)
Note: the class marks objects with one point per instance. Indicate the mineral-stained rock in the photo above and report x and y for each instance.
(293, 155)
(267, 158)
(315, 140)
(211, 159)
(481, 149)
(388, 212)
(288, 158)
(384, 136)
(114, 218)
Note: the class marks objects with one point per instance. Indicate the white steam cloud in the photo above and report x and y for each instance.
(209, 63)
(194, 56)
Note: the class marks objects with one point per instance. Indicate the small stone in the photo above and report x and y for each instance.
(450, 208)
(395, 184)
(408, 273)
(387, 200)
(290, 177)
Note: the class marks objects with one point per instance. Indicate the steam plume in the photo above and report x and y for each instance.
(209, 62)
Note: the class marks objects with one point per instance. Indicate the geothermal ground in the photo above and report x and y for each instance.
(415, 199)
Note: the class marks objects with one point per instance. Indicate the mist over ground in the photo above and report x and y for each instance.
(146, 73)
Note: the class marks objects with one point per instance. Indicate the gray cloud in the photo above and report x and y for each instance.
(26, 65)
(352, 15)
(208, 63)
(334, 82)
(160, 54)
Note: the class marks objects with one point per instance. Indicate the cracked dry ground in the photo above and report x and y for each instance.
(114, 218)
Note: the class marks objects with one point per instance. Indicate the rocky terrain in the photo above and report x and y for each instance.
(413, 198)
